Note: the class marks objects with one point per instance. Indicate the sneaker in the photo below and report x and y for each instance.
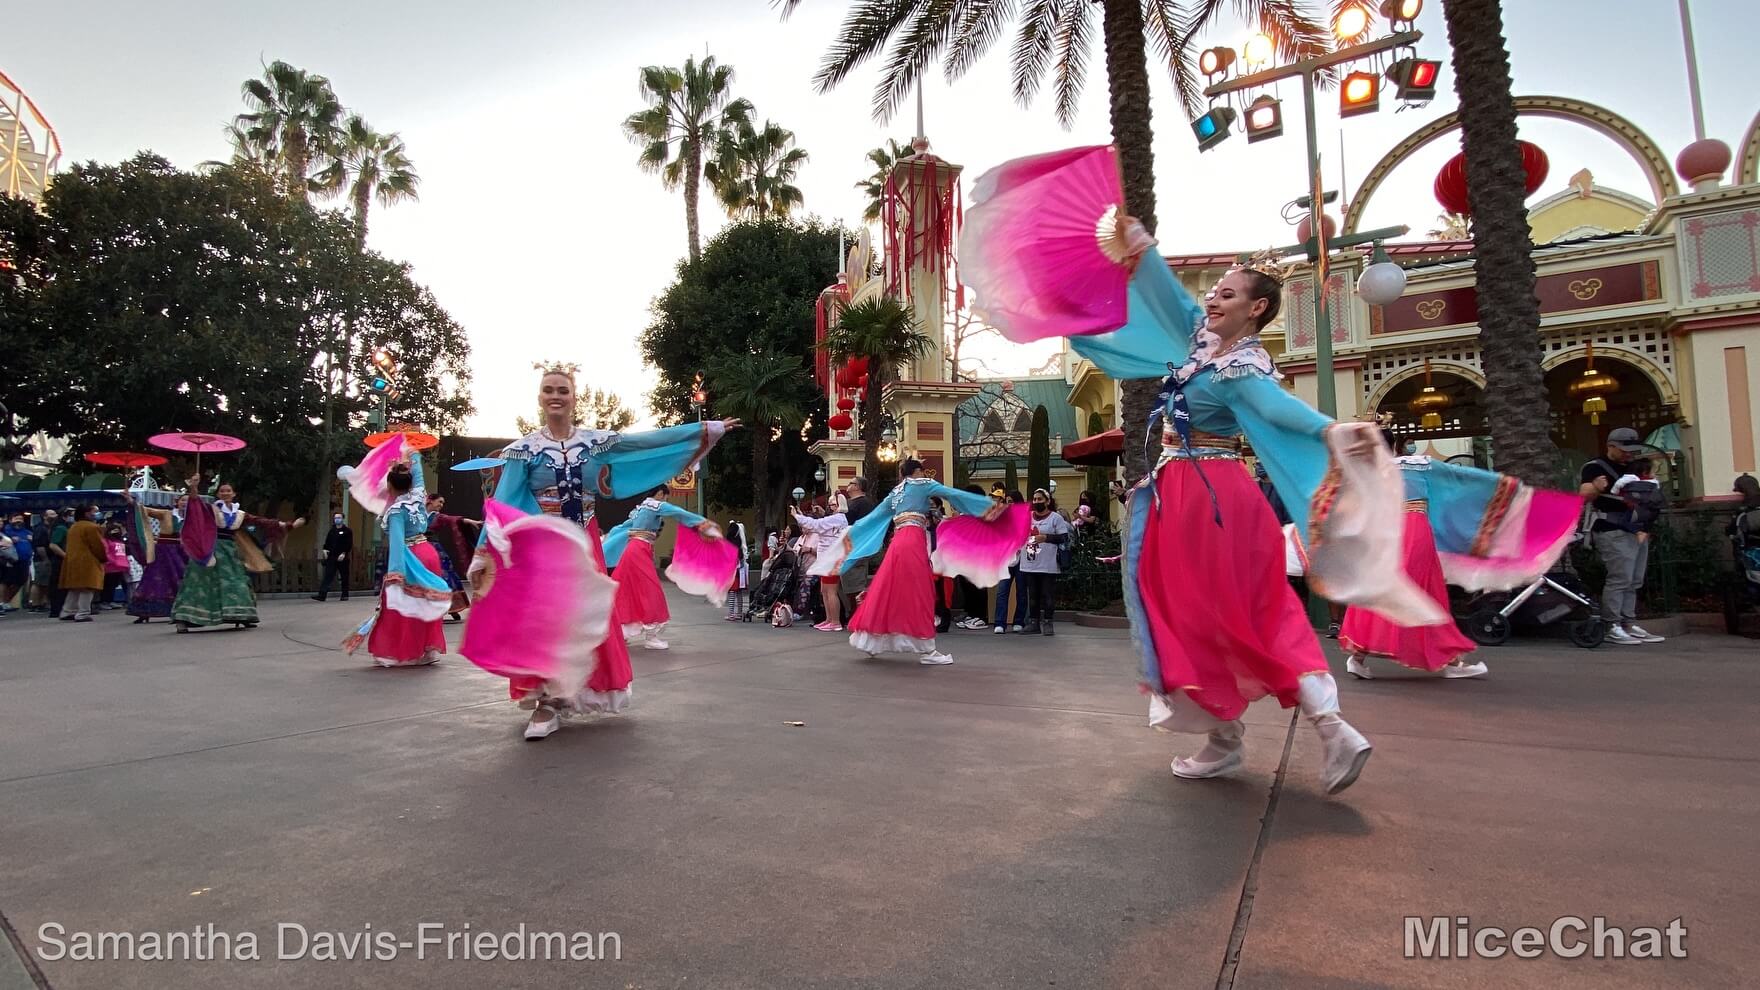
(1460, 668)
(1000, 630)
(935, 659)
(1617, 634)
(1332, 630)
(828, 627)
(1637, 632)
(971, 622)
(1015, 628)
(1358, 668)
(656, 643)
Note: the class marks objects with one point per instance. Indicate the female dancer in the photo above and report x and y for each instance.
(542, 618)
(1438, 648)
(898, 610)
(736, 592)
(447, 533)
(405, 629)
(1213, 617)
(215, 588)
(162, 571)
(702, 564)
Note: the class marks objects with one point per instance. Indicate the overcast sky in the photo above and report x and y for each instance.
(539, 234)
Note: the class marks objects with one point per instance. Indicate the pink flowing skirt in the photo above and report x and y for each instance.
(398, 637)
(1420, 647)
(1226, 626)
(611, 668)
(640, 599)
(897, 614)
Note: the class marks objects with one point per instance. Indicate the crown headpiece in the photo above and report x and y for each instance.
(1381, 419)
(568, 368)
(1265, 263)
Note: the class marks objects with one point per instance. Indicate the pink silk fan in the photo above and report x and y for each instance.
(1047, 247)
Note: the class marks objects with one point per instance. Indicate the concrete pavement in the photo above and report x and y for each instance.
(1007, 821)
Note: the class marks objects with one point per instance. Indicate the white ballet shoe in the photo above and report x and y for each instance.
(1344, 750)
(1460, 668)
(1225, 751)
(1358, 668)
(538, 730)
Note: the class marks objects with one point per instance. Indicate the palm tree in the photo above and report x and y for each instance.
(755, 387)
(754, 170)
(874, 186)
(292, 123)
(368, 165)
(885, 331)
(1516, 405)
(688, 111)
(1056, 37)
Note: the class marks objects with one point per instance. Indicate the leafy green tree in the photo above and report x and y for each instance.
(754, 170)
(160, 300)
(688, 112)
(1039, 451)
(292, 124)
(754, 386)
(884, 331)
(1056, 38)
(1503, 252)
(753, 290)
(874, 186)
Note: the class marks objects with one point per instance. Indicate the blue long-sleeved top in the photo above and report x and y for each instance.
(910, 500)
(644, 523)
(405, 519)
(565, 477)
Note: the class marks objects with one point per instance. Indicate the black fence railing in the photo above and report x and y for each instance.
(1690, 564)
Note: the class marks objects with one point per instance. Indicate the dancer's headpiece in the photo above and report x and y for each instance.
(1265, 263)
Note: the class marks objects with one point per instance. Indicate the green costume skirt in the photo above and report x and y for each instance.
(211, 596)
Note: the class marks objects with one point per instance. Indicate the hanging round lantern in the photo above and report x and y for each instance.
(1451, 180)
(840, 422)
(862, 380)
(1382, 283)
(846, 403)
(1429, 404)
(1593, 387)
(1305, 228)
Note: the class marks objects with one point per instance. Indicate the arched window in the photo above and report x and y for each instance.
(1023, 421)
(993, 422)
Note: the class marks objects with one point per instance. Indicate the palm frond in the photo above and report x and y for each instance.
(1295, 32)
(1170, 39)
(978, 27)
(919, 44)
(1034, 45)
(1074, 44)
(864, 33)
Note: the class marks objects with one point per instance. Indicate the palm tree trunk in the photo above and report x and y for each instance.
(872, 423)
(362, 202)
(1516, 406)
(693, 159)
(1127, 77)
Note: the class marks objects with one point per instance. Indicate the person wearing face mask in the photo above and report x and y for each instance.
(82, 571)
(1040, 564)
(162, 571)
(1215, 622)
(338, 555)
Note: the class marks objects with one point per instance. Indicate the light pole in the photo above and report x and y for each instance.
(699, 399)
(1360, 94)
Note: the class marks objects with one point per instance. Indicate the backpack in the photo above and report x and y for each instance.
(1645, 500)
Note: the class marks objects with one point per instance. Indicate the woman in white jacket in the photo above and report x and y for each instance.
(824, 533)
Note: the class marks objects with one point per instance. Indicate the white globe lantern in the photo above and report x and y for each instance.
(1382, 283)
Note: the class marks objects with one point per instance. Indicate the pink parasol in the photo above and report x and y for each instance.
(125, 459)
(1047, 246)
(197, 443)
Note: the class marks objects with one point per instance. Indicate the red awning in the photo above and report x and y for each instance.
(1099, 450)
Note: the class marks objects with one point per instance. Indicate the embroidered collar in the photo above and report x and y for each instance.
(1412, 460)
(1246, 357)
(581, 444)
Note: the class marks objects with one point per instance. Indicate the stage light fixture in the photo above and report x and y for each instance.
(1213, 127)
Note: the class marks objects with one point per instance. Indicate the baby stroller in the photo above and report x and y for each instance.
(777, 586)
(1742, 591)
(1559, 596)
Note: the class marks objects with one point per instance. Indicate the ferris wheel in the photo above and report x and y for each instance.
(29, 148)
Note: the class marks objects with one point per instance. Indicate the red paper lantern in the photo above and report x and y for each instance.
(846, 403)
(862, 380)
(840, 422)
(1451, 179)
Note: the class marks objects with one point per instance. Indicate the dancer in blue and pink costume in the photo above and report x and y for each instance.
(702, 564)
(548, 628)
(405, 630)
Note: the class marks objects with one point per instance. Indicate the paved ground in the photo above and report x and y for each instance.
(1004, 822)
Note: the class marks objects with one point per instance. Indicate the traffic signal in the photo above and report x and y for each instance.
(1213, 127)
(1359, 93)
(1264, 119)
(1414, 79)
(384, 371)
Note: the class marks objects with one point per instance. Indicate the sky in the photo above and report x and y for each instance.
(536, 230)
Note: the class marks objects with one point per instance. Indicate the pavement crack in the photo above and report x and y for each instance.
(1243, 914)
(16, 944)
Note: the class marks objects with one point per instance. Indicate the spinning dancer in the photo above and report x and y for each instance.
(542, 614)
(448, 535)
(702, 564)
(164, 563)
(1438, 648)
(1215, 622)
(405, 629)
(898, 610)
(215, 589)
